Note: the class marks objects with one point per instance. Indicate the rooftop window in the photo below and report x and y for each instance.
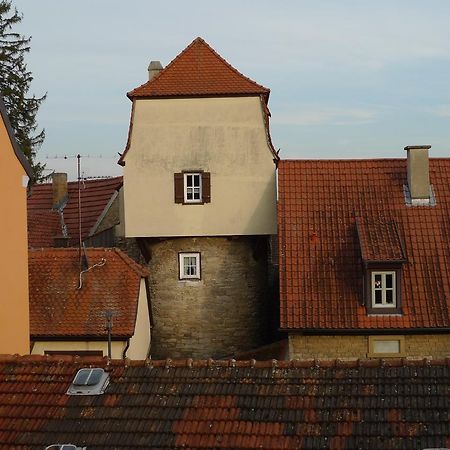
(92, 381)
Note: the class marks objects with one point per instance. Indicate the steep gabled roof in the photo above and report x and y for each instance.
(351, 405)
(321, 254)
(198, 71)
(59, 309)
(95, 198)
(18, 152)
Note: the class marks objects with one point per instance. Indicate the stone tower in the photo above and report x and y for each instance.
(200, 196)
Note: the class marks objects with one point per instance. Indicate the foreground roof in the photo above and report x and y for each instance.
(44, 222)
(59, 309)
(327, 210)
(239, 405)
(198, 71)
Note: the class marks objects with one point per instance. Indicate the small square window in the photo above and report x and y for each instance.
(383, 288)
(386, 346)
(192, 187)
(189, 266)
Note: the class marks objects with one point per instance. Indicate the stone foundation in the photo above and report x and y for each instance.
(223, 313)
(345, 347)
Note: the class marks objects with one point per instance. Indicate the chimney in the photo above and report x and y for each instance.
(59, 185)
(418, 172)
(153, 69)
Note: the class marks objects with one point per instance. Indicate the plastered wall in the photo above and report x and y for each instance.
(223, 136)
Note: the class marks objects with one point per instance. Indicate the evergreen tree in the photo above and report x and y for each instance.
(15, 82)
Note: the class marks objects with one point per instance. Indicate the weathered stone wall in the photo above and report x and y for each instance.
(223, 313)
(331, 347)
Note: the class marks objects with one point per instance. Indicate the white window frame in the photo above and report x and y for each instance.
(181, 264)
(193, 187)
(384, 289)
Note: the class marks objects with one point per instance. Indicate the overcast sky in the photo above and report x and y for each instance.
(348, 78)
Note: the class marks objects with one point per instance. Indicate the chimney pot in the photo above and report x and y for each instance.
(59, 187)
(153, 69)
(418, 172)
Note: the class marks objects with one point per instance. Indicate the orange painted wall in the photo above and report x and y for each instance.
(14, 311)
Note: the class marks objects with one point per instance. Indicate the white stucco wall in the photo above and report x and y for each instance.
(117, 347)
(140, 342)
(223, 136)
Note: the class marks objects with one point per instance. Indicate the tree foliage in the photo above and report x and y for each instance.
(15, 81)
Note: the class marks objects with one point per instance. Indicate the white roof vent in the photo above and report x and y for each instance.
(64, 447)
(89, 382)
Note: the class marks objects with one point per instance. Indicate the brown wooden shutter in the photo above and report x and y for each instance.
(178, 187)
(206, 187)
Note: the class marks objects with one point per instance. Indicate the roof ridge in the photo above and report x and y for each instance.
(251, 363)
(136, 267)
(199, 39)
(89, 180)
(196, 41)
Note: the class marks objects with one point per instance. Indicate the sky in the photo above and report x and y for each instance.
(348, 78)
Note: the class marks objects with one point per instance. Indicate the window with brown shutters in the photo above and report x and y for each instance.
(206, 187)
(179, 187)
(192, 187)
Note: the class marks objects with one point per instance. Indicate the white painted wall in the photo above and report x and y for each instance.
(117, 347)
(140, 342)
(223, 136)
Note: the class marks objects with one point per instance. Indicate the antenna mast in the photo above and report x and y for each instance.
(80, 243)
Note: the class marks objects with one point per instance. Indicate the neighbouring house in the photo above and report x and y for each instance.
(365, 256)
(71, 299)
(14, 174)
(54, 213)
(353, 405)
(200, 196)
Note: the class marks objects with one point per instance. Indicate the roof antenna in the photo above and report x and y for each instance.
(80, 243)
(109, 324)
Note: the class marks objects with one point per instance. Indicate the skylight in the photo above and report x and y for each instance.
(64, 447)
(92, 381)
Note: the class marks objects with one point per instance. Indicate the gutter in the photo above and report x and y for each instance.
(365, 331)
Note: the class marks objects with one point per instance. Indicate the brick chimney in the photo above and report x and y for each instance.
(59, 185)
(418, 173)
(153, 69)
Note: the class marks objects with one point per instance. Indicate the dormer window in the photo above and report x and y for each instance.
(192, 187)
(383, 256)
(383, 287)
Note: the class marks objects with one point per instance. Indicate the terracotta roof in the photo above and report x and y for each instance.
(198, 71)
(95, 197)
(379, 240)
(321, 278)
(43, 227)
(227, 404)
(12, 137)
(59, 308)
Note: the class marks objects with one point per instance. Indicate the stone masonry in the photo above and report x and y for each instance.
(223, 313)
(349, 347)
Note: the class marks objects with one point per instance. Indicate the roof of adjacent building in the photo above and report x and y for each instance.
(227, 404)
(17, 151)
(335, 215)
(58, 308)
(96, 196)
(198, 71)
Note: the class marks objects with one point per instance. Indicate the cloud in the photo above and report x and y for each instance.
(326, 115)
(441, 111)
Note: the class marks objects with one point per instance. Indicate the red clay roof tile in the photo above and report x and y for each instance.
(320, 253)
(379, 240)
(198, 71)
(43, 224)
(389, 405)
(59, 308)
